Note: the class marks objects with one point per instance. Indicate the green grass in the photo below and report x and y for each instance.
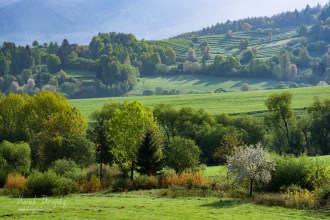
(83, 75)
(199, 84)
(144, 205)
(230, 103)
(325, 158)
(221, 171)
(213, 171)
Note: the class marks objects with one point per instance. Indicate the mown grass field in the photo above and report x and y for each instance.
(199, 84)
(230, 103)
(143, 205)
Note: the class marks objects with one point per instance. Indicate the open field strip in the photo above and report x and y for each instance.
(143, 205)
(230, 103)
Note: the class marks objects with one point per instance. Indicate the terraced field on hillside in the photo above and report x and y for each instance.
(220, 44)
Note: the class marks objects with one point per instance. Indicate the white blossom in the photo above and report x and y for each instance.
(252, 163)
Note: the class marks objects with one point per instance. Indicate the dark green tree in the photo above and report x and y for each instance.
(320, 125)
(4, 65)
(150, 153)
(182, 154)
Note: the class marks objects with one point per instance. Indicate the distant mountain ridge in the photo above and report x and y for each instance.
(23, 21)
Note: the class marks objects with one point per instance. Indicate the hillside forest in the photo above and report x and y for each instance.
(292, 47)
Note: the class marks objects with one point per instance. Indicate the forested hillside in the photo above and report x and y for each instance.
(291, 47)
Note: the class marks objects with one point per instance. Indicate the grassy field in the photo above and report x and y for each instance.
(230, 103)
(199, 84)
(83, 75)
(215, 171)
(143, 205)
(221, 171)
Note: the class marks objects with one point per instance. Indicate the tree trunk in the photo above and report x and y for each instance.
(132, 171)
(251, 186)
(101, 170)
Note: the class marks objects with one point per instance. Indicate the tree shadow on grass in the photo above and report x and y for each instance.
(224, 204)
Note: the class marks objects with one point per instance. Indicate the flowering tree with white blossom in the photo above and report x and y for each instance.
(252, 163)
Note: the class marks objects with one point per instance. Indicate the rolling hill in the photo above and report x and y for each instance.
(231, 103)
(220, 44)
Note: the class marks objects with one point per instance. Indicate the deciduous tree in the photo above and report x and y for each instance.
(251, 163)
(127, 127)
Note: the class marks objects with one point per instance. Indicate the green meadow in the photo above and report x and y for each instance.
(230, 103)
(144, 205)
(193, 83)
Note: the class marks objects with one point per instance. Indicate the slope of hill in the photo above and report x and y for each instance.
(185, 84)
(220, 44)
(252, 102)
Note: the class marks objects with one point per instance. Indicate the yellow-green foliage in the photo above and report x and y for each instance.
(318, 173)
(301, 199)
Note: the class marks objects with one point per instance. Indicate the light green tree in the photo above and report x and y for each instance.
(53, 63)
(280, 117)
(127, 127)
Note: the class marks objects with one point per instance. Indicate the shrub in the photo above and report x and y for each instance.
(15, 184)
(109, 173)
(42, 183)
(245, 87)
(146, 182)
(68, 169)
(289, 170)
(300, 199)
(64, 186)
(148, 92)
(270, 199)
(185, 179)
(92, 185)
(317, 174)
(323, 195)
(63, 166)
(122, 184)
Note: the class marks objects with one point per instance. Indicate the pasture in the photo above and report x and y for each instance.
(229, 103)
(144, 205)
(193, 83)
